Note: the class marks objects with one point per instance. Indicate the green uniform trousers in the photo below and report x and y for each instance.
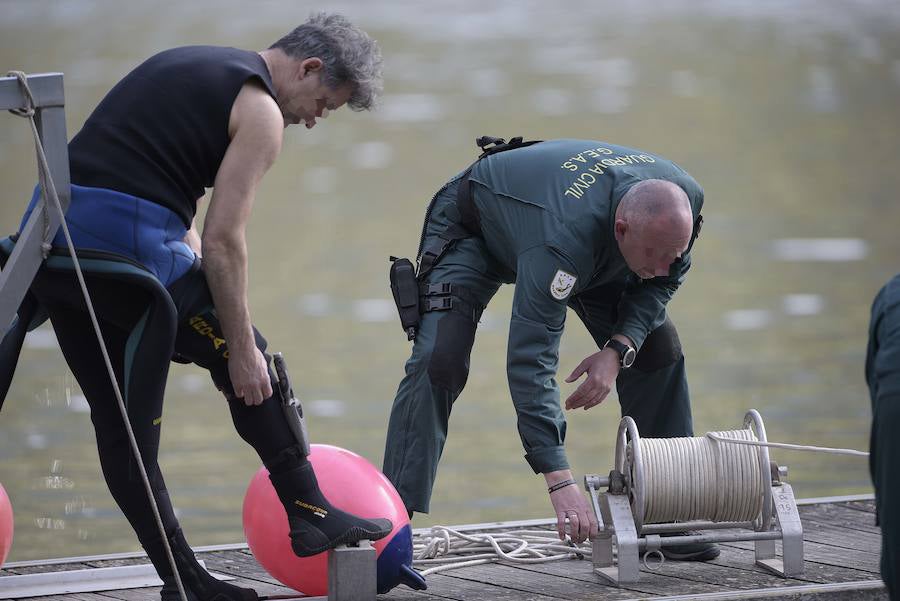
(654, 391)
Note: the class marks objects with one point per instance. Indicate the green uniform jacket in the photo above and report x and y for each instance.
(883, 357)
(547, 213)
(883, 378)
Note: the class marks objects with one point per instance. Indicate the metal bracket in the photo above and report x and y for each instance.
(788, 518)
(616, 512)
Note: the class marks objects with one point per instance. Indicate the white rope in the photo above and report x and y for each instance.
(793, 447)
(49, 190)
(688, 479)
(448, 549)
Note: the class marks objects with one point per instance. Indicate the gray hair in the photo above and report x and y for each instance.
(348, 54)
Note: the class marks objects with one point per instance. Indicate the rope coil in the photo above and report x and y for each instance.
(446, 549)
(688, 479)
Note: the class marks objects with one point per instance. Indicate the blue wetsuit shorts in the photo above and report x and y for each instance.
(110, 221)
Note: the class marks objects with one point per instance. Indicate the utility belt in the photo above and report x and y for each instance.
(412, 295)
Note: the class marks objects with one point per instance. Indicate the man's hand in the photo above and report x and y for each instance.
(570, 503)
(249, 376)
(602, 369)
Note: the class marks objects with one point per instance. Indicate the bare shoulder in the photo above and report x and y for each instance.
(255, 110)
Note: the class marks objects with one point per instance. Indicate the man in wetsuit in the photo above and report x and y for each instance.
(883, 378)
(602, 229)
(188, 119)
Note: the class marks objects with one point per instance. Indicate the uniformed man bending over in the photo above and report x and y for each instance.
(602, 229)
(185, 120)
(883, 377)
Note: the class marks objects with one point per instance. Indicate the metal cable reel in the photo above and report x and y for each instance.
(723, 482)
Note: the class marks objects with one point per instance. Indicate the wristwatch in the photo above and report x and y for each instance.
(626, 353)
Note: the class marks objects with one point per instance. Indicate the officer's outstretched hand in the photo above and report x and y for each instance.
(602, 369)
(249, 376)
(570, 504)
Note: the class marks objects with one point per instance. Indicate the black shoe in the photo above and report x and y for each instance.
(690, 551)
(199, 585)
(315, 524)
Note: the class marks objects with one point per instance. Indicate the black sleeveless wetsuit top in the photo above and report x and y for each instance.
(162, 131)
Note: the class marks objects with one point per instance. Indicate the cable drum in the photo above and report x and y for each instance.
(688, 479)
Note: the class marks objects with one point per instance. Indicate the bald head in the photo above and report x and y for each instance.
(653, 226)
(659, 205)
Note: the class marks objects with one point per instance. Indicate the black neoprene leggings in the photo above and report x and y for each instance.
(140, 358)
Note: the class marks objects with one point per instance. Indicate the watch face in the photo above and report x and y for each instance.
(628, 357)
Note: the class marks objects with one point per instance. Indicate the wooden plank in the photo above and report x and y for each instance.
(134, 594)
(473, 590)
(45, 569)
(857, 591)
(868, 528)
(243, 566)
(72, 597)
(77, 597)
(736, 575)
(540, 579)
(401, 592)
(867, 506)
(744, 559)
(836, 499)
(850, 540)
(840, 515)
(550, 578)
(831, 555)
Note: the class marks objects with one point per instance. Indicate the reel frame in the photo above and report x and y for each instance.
(620, 515)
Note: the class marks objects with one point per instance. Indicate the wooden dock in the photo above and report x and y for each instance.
(841, 553)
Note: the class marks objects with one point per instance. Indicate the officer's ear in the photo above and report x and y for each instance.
(620, 228)
(309, 65)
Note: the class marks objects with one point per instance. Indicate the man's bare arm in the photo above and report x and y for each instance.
(256, 127)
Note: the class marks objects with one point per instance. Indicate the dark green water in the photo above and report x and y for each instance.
(789, 118)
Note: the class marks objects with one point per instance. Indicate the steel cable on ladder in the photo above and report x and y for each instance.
(48, 189)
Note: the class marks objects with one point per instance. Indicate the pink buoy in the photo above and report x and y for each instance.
(6, 525)
(350, 483)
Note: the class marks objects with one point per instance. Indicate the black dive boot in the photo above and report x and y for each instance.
(315, 524)
(199, 584)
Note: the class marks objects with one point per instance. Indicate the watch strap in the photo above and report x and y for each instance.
(622, 349)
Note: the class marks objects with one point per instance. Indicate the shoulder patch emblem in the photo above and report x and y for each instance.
(562, 284)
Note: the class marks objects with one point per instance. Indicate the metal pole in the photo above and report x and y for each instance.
(50, 118)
